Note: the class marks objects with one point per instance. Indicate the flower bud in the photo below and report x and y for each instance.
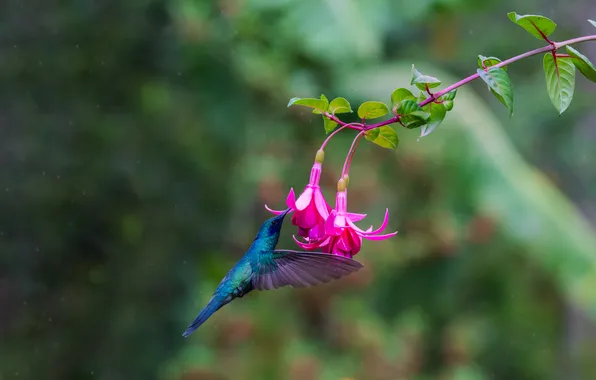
(347, 179)
(320, 157)
(341, 185)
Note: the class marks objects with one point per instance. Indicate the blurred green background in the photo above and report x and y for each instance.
(141, 138)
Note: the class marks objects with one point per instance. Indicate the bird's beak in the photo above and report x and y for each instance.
(280, 217)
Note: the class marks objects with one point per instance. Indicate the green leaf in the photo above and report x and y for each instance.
(421, 81)
(592, 22)
(488, 61)
(318, 104)
(449, 96)
(422, 96)
(447, 99)
(408, 106)
(384, 136)
(448, 104)
(399, 95)
(437, 115)
(560, 81)
(412, 115)
(538, 26)
(329, 124)
(371, 134)
(582, 63)
(372, 110)
(318, 111)
(339, 105)
(499, 84)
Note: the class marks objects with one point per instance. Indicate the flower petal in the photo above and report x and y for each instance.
(322, 206)
(384, 224)
(356, 242)
(344, 242)
(379, 237)
(307, 218)
(303, 232)
(381, 228)
(337, 249)
(347, 244)
(330, 224)
(355, 227)
(356, 217)
(304, 199)
(328, 246)
(310, 245)
(317, 232)
(291, 199)
(301, 244)
(276, 212)
(341, 221)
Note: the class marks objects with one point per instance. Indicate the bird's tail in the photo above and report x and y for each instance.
(214, 305)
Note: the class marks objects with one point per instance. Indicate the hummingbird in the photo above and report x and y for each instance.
(264, 268)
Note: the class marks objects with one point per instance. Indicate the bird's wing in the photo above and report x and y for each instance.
(301, 269)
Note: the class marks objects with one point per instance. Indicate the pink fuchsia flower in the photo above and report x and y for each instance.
(343, 237)
(310, 209)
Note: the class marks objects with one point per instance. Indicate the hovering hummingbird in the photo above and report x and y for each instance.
(264, 268)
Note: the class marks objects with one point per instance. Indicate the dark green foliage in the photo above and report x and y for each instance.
(142, 138)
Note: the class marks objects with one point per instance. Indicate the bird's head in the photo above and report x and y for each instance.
(272, 226)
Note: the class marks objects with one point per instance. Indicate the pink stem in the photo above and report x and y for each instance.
(509, 61)
(348, 125)
(350, 155)
(353, 152)
(357, 126)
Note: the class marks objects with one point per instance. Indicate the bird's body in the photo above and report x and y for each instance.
(264, 268)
